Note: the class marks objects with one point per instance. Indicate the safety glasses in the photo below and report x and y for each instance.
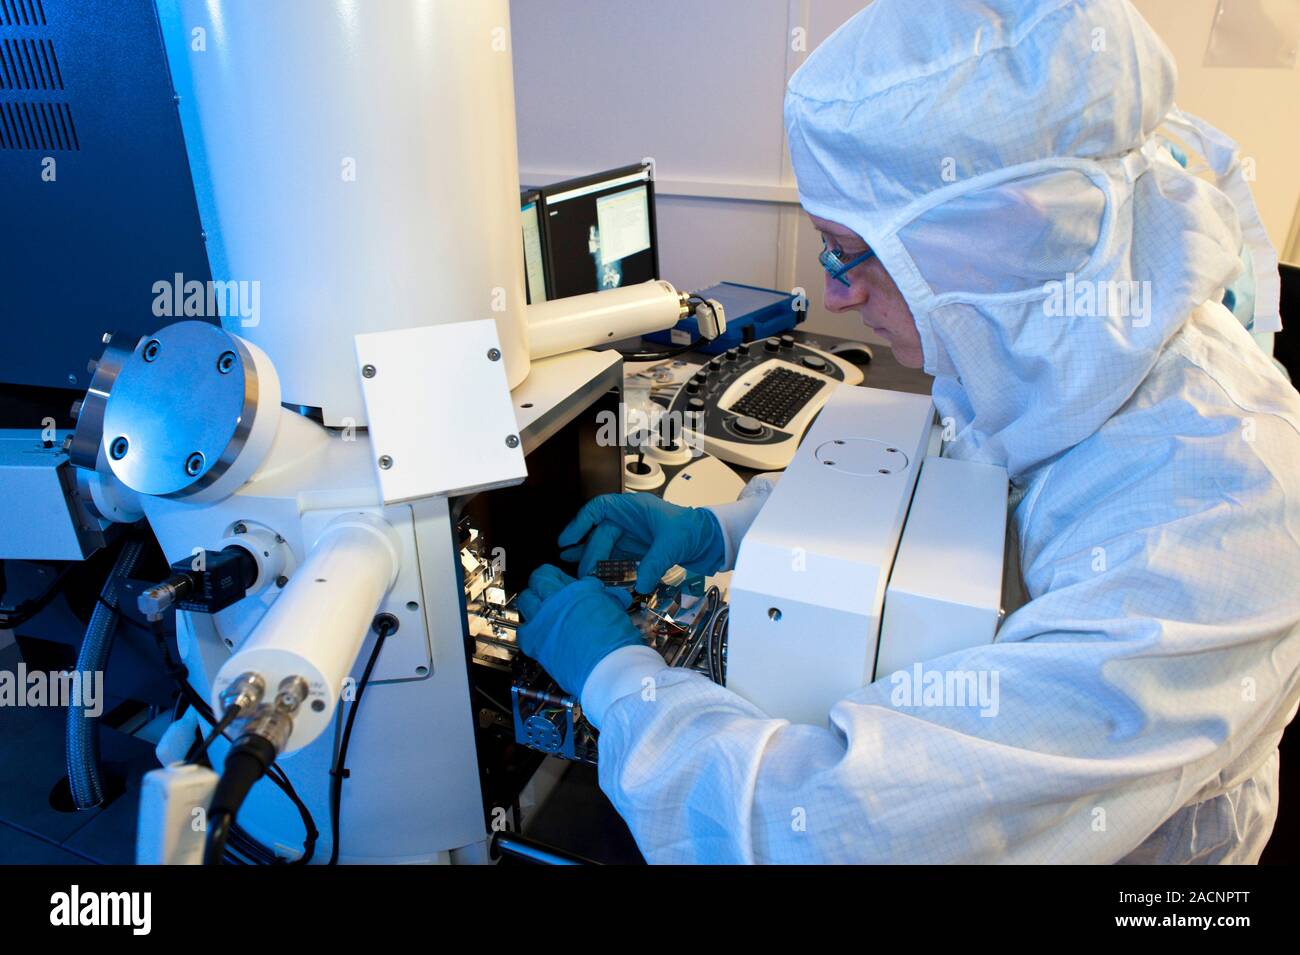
(832, 261)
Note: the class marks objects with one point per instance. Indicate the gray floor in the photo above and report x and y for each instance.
(32, 764)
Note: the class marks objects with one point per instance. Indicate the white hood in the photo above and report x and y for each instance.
(1003, 161)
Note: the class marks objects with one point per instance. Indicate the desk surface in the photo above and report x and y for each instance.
(884, 371)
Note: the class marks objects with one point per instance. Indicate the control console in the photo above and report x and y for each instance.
(752, 404)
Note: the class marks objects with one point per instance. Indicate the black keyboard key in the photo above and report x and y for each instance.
(780, 396)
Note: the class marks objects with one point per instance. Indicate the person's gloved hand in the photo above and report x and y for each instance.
(645, 528)
(571, 625)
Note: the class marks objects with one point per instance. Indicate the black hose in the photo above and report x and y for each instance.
(82, 747)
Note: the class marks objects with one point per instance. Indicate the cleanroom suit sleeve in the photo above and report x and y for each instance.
(735, 518)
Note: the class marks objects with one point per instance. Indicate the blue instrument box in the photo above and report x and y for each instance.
(753, 314)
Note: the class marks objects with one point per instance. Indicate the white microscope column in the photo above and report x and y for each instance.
(358, 162)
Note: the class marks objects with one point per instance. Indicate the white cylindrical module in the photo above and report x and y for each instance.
(318, 623)
(598, 318)
(356, 170)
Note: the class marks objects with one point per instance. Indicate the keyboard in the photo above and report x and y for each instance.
(752, 404)
(779, 396)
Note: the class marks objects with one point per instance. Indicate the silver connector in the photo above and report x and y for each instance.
(292, 693)
(684, 306)
(273, 722)
(244, 693)
(158, 599)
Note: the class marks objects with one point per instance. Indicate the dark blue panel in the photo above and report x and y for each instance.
(86, 84)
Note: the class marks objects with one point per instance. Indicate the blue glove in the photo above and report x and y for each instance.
(645, 528)
(573, 624)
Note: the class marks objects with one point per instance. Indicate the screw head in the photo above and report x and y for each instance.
(106, 338)
(512, 441)
(151, 349)
(117, 450)
(226, 363)
(385, 462)
(241, 528)
(281, 580)
(194, 464)
(368, 371)
(494, 354)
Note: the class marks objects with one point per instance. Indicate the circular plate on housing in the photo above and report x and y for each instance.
(865, 457)
(89, 435)
(181, 410)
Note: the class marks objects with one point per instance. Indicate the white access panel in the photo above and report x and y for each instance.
(440, 412)
(809, 584)
(945, 593)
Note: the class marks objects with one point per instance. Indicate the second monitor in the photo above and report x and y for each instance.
(600, 231)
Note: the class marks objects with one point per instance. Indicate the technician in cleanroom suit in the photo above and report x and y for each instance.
(983, 152)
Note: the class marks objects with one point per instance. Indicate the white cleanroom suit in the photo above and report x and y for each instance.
(1003, 160)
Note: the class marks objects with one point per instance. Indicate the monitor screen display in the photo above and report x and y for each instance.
(600, 232)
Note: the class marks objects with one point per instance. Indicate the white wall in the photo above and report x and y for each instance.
(1260, 108)
(698, 85)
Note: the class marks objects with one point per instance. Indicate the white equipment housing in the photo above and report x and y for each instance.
(358, 161)
(855, 568)
(599, 318)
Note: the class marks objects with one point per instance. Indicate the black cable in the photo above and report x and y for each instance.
(241, 848)
(180, 676)
(122, 616)
(218, 832)
(661, 355)
(340, 771)
(717, 638)
(219, 729)
(246, 763)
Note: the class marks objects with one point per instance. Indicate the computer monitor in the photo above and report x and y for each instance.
(535, 267)
(600, 231)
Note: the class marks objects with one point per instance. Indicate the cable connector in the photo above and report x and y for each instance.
(261, 739)
(244, 693)
(208, 582)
